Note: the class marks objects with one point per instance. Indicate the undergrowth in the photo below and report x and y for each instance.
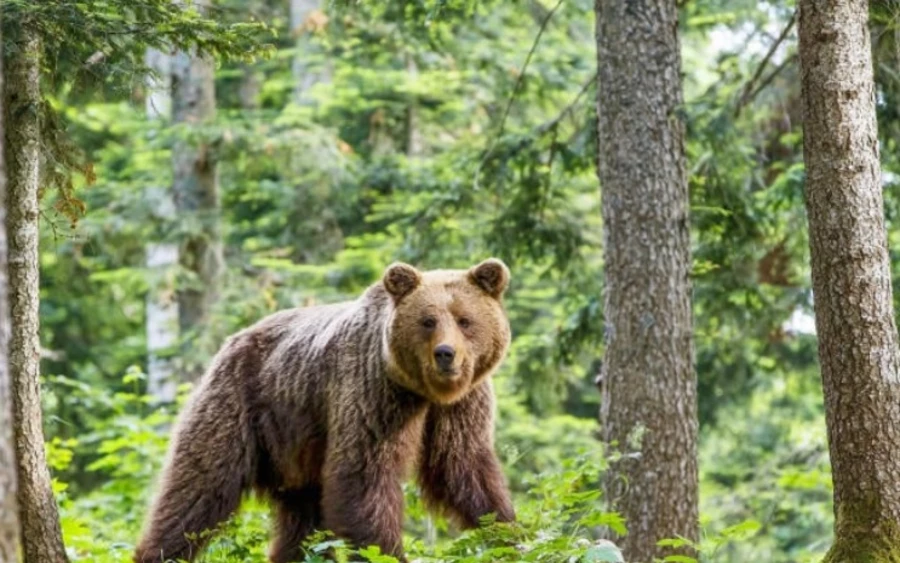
(104, 479)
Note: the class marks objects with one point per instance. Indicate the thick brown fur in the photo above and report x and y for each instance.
(324, 410)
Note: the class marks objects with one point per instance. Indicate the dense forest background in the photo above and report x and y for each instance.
(439, 133)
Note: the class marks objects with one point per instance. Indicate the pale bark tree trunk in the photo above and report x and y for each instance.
(648, 383)
(195, 186)
(413, 134)
(161, 257)
(9, 508)
(251, 83)
(41, 535)
(303, 23)
(158, 101)
(851, 278)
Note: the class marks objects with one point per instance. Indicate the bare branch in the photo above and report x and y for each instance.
(771, 76)
(569, 108)
(515, 90)
(521, 76)
(750, 89)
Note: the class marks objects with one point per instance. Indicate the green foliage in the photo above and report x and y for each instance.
(770, 468)
(108, 37)
(126, 443)
(448, 131)
(556, 499)
(98, 47)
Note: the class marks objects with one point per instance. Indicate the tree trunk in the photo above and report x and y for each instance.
(648, 384)
(196, 190)
(413, 135)
(9, 511)
(158, 100)
(41, 535)
(306, 16)
(250, 87)
(161, 257)
(858, 344)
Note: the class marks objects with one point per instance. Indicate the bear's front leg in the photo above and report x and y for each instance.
(362, 499)
(459, 471)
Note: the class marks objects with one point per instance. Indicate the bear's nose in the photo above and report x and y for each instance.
(444, 355)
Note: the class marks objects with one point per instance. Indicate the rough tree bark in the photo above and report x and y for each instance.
(9, 508)
(648, 383)
(196, 191)
(41, 535)
(161, 257)
(858, 344)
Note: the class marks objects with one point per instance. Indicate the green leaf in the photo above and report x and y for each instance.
(613, 520)
(676, 542)
(741, 531)
(603, 552)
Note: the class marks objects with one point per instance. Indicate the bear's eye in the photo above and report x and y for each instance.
(429, 323)
(464, 322)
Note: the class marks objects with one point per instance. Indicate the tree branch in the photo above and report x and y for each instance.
(768, 79)
(516, 87)
(750, 90)
(569, 108)
(521, 76)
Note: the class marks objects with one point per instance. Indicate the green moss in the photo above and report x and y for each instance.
(863, 550)
(861, 538)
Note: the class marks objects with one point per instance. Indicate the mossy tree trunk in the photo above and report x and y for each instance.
(41, 535)
(9, 511)
(648, 384)
(851, 278)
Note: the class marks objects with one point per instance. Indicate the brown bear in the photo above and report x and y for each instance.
(323, 410)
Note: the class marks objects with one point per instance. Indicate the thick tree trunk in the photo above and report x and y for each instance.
(648, 384)
(9, 508)
(858, 345)
(196, 190)
(161, 257)
(41, 536)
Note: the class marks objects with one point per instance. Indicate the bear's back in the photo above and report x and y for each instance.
(306, 353)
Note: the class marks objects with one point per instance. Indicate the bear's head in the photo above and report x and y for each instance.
(447, 330)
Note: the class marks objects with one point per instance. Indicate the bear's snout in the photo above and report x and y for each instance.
(444, 354)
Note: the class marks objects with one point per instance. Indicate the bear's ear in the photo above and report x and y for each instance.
(492, 275)
(400, 279)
